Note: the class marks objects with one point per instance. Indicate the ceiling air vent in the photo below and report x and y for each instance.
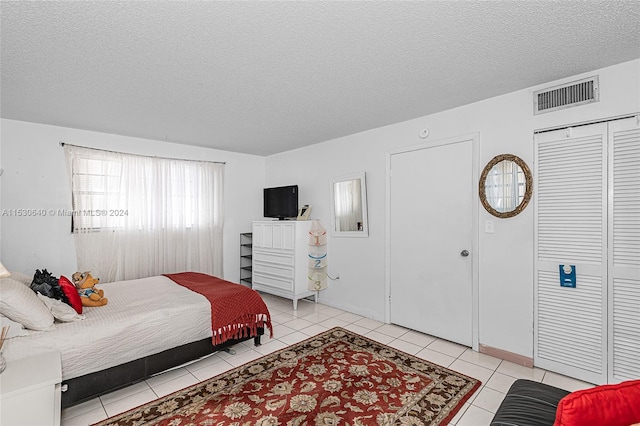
(568, 95)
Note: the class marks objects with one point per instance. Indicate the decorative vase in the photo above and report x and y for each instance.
(3, 363)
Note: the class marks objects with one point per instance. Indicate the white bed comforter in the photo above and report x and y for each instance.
(143, 317)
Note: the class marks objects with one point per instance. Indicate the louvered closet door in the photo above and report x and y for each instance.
(571, 218)
(624, 250)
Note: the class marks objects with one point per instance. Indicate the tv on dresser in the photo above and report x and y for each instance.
(281, 202)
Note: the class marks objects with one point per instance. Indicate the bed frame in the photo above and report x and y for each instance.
(89, 386)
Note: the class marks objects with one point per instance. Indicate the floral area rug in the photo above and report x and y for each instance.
(335, 378)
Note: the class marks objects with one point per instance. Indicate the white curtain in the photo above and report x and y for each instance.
(494, 187)
(348, 208)
(137, 216)
(505, 186)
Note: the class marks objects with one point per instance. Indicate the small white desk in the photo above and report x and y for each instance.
(30, 391)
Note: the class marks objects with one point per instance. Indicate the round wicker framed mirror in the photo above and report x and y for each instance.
(505, 186)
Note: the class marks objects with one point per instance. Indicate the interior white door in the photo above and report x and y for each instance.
(624, 250)
(588, 216)
(431, 236)
(571, 218)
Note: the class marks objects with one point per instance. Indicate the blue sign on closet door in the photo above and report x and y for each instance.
(568, 276)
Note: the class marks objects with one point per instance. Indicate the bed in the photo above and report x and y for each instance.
(148, 326)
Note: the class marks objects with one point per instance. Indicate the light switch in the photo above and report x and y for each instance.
(488, 227)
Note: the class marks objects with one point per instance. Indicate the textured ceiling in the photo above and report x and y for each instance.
(266, 77)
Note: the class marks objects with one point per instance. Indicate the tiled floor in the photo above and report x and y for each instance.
(310, 319)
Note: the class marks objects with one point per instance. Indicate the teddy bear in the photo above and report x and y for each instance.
(89, 294)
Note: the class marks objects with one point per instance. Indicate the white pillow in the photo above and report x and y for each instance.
(15, 328)
(60, 310)
(20, 277)
(19, 303)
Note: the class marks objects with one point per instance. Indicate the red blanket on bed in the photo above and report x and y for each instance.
(236, 311)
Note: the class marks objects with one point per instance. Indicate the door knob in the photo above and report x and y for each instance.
(464, 253)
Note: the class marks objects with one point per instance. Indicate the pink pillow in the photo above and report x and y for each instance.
(71, 292)
(610, 405)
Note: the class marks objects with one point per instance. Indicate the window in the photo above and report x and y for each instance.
(94, 183)
(136, 216)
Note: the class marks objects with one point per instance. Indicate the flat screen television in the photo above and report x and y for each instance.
(281, 202)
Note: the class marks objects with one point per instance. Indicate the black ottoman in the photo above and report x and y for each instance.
(529, 403)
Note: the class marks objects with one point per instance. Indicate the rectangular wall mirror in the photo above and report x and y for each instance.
(349, 206)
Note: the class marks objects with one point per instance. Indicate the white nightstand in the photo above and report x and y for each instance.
(30, 391)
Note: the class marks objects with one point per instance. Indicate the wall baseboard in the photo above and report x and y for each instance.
(506, 355)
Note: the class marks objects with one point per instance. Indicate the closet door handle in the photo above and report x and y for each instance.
(464, 253)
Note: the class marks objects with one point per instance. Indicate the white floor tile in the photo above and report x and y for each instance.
(124, 393)
(249, 343)
(294, 337)
(298, 324)
(281, 330)
(279, 307)
(369, 323)
(564, 382)
(392, 330)
(274, 345)
(233, 351)
(520, 372)
(488, 399)
(436, 357)
(276, 304)
(87, 418)
(243, 358)
(314, 330)
(330, 311)
(83, 408)
(204, 363)
(475, 416)
(166, 377)
(482, 360)
(417, 338)
(210, 371)
(379, 337)
(167, 387)
(500, 382)
(472, 370)
(242, 348)
(405, 346)
(304, 309)
(333, 322)
(132, 401)
(357, 329)
(349, 317)
(447, 348)
(282, 317)
(303, 305)
(316, 317)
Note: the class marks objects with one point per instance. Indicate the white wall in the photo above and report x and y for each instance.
(35, 177)
(506, 125)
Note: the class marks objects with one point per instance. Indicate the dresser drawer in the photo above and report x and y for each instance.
(271, 257)
(284, 272)
(271, 281)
